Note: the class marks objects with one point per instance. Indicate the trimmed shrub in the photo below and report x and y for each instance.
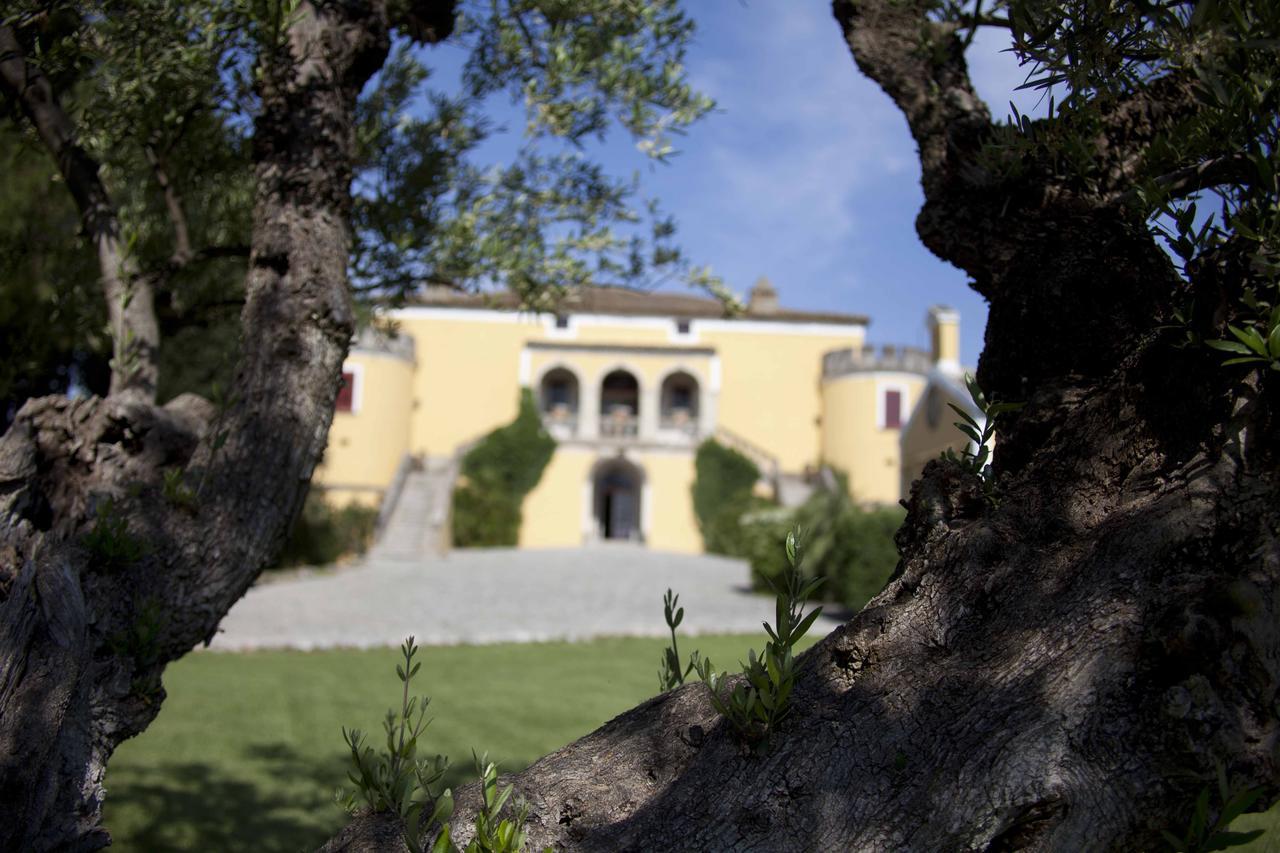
(850, 548)
(496, 475)
(323, 535)
(722, 488)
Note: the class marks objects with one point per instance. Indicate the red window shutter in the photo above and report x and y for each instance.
(346, 392)
(892, 409)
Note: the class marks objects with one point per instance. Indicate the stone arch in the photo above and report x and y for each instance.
(617, 500)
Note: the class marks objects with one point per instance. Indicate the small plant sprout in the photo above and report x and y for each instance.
(761, 699)
(976, 458)
(672, 674)
(219, 430)
(494, 833)
(109, 541)
(176, 491)
(396, 779)
(1204, 833)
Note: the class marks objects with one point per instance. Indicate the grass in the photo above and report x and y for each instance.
(247, 751)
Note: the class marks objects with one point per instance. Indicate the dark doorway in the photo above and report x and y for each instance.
(617, 501)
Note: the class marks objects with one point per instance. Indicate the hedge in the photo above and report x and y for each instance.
(851, 548)
(322, 535)
(496, 475)
(722, 493)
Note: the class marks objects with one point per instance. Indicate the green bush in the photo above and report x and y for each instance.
(323, 535)
(850, 548)
(497, 474)
(721, 494)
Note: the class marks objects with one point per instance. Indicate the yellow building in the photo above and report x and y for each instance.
(628, 384)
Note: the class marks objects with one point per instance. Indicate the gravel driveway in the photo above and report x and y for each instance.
(500, 595)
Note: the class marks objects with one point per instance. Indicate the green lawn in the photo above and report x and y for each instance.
(248, 749)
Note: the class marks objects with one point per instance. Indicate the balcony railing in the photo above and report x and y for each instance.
(619, 424)
(561, 421)
(679, 420)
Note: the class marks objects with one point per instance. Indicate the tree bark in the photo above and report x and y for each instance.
(1064, 670)
(108, 568)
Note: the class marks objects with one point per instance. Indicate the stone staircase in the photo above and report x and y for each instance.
(417, 524)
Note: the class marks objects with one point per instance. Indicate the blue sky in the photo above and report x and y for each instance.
(806, 172)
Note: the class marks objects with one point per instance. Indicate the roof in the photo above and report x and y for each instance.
(625, 302)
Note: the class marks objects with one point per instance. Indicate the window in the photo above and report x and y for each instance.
(681, 397)
(347, 392)
(682, 327)
(562, 321)
(558, 392)
(892, 409)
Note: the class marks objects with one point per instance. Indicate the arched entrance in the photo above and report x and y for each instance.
(617, 489)
(619, 404)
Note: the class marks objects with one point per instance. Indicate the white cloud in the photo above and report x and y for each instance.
(802, 142)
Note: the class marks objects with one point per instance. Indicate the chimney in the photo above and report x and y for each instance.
(944, 332)
(763, 298)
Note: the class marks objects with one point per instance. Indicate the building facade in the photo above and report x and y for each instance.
(629, 384)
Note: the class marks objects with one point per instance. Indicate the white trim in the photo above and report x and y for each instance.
(950, 366)
(357, 386)
(635, 373)
(526, 367)
(673, 331)
(716, 378)
(554, 332)
(558, 365)
(470, 315)
(904, 403)
(878, 375)
(681, 367)
(646, 321)
(782, 327)
(589, 531)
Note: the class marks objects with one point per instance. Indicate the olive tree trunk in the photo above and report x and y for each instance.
(128, 530)
(1064, 670)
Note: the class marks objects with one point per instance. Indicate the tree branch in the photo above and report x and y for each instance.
(173, 205)
(920, 64)
(130, 307)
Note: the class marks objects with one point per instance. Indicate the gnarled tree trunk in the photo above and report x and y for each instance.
(109, 568)
(1064, 670)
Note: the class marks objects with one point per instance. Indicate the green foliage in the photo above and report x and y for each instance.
(175, 489)
(51, 326)
(722, 488)
(1254, 344)
(493, 833)
(1205, 832)
(140, 642)
(109, 541)
(849, 548)
(395, 779)
(575, 63)
(974, 459)
(322, 535)
(497, 474)
(1089, 58)
(673, 672)
(164, 94)
(761, 699)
